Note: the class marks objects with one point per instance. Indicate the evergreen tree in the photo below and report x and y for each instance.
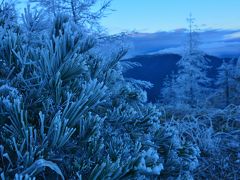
(225, 82)
(192, 81)
(236, 77)
(168, 92)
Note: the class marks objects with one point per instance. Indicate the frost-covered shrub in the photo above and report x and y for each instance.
(215, 132)
(180, 156)
(67, 112)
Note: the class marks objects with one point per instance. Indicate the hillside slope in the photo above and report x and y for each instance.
(156, 67)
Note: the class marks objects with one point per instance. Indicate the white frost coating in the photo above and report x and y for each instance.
(149, 162)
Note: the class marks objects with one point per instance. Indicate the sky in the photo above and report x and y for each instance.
(164, 15)
(159, 26)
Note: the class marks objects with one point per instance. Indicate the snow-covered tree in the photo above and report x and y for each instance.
(83, 12)
(237, 80)
(168, 92)
(192, 81)
(225, 84)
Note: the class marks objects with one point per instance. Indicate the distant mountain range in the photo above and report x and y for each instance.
(156, 67)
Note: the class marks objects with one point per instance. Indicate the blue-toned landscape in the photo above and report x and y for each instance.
(119, 89)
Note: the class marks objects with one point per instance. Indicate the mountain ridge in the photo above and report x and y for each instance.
(156, 67)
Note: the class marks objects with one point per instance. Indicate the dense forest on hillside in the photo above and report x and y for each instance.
(68, 110)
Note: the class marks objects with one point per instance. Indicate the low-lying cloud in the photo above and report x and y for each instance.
(221, 43)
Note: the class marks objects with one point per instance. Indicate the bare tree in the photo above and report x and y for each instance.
(84, 12)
